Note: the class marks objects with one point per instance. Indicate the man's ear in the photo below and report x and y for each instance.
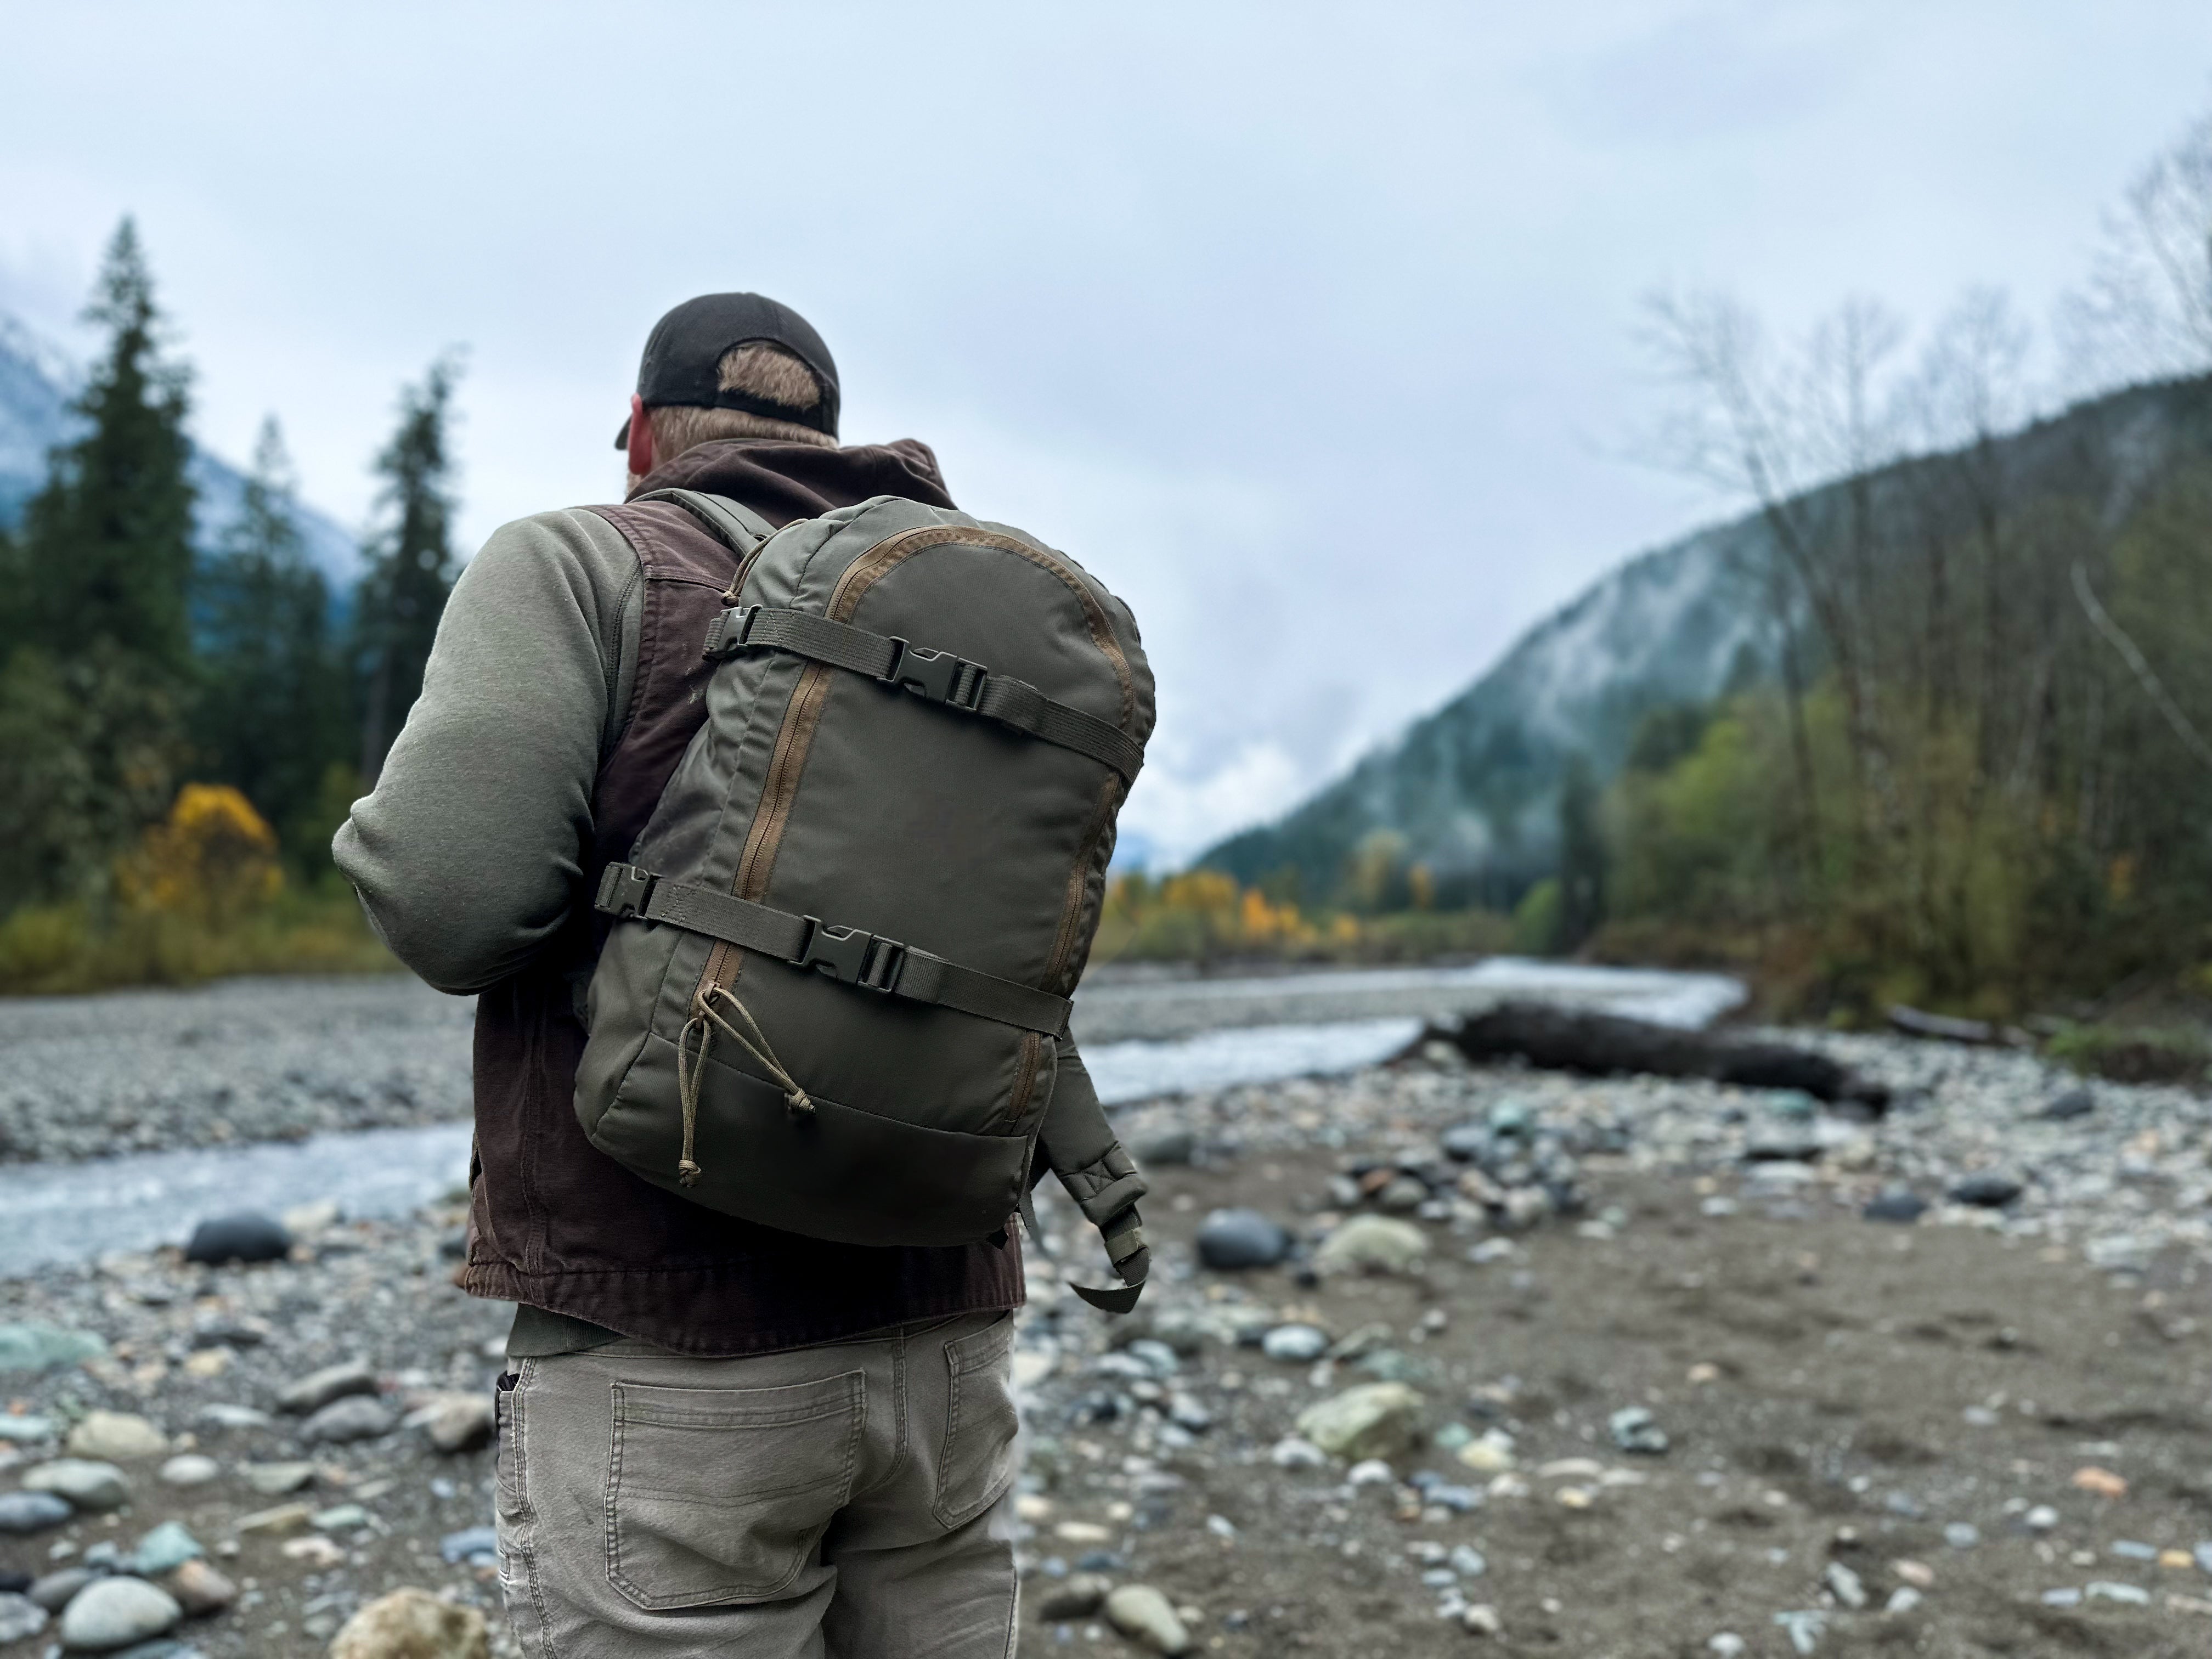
(640, 438)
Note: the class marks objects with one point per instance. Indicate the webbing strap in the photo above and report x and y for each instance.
(734, 521)
(1133, 1262)
(935, 676)
(845, 954)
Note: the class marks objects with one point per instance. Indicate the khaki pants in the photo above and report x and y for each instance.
(849, 1500)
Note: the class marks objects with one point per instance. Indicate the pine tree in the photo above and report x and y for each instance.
(411, 565)
(270, 717)
(94, 627)
(105, 550)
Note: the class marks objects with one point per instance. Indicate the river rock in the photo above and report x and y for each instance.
(1899, 1204)
(1373, 1243)
(356, 1417)
(246, 1236)
(468, 1544)
(1635, 1430)
(1164, 1147)
(189, 1469)
(1144, 1616)
(25, 1430)
(1077, 1596)
(1229, 1240)
(1987, 1190)
(1294, 1344)
(113, 1613)
(199, 1589)
(117, 1436)
(31, 1511)
(318, 1389)
(457, 1422)
(413, 1624)
(88, 1486)
(277, 1479)
(21, 1619)
(1376, 1419)
(2069, 1104)
(165, 1549)
(53, 1591)
(34, 1345)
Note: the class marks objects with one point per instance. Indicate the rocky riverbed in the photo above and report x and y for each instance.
(1438, 1360)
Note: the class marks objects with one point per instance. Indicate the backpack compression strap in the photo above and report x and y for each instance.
(934, 676)
(845, 954)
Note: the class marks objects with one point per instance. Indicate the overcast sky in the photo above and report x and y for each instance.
(1308, 328)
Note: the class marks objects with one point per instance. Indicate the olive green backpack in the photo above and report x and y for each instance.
(834, 996)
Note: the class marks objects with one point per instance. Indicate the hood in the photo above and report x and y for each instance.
(783, 481)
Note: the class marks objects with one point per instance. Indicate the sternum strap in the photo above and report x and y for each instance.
(938, 676)
(845, 954)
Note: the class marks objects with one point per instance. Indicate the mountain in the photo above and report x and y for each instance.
(1472, 791)
(36, 385)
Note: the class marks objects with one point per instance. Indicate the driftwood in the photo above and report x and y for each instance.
(1605, 1045)
(1943, 1028)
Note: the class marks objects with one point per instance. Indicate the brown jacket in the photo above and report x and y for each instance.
(556, 1225)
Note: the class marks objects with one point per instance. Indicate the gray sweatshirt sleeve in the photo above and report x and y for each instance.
(468, 853)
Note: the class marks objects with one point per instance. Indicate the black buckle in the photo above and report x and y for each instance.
(936, 676)
(625, 891)
(851, 957)
(730, 632)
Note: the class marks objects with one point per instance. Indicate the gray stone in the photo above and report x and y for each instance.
(2128, 1595)
(2204, 1554)
(53, 1591)
(1782, 1143)
(34, 1345)
(317, 1390)
(1465, 1560)
(31, 1511)
(160, 1647)
(1376, 1419)
(189, 1469)
(466, 1544)
(1294, 1344)
(114, 1612)
(245, 1237)
(1146, 1617)
(1188, 1414)
(1635, 1430)
(1846, 1586)
(165, 1549)
(1465, 1143)
(1372, 1243)
(1404, 1195)
(1899, 1204)
(2070, 1103)
(224, 1414)
(1231, 1240)
(117, 1436)
(341, 1517)
(1987, 1190)
(356, 1417)
(26, 1429)
(21, 1619)
(458, 1422)
(1077, 1596)
(1962, 1534)
(2129, 1549)
(1164, 1148)
(88, 1485)
(277, 1479)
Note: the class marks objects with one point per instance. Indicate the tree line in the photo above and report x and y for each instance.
(1981, 774)
(134, 662)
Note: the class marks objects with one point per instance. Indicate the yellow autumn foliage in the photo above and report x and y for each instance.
(213, 858)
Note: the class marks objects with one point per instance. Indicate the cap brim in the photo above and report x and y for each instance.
(621, 438)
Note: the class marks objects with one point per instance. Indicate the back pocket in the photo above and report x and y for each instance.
(719, 1495)
(977, 1463)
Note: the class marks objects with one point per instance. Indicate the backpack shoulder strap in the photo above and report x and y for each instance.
(734, 521)
(1079, 1146)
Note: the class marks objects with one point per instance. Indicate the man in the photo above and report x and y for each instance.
(717, 1438)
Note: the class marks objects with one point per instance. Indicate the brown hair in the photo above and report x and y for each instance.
(764, 370)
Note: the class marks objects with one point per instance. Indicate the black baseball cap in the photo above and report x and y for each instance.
(685, 350)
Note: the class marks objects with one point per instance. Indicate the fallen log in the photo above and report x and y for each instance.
(1943, 1028)
(1558, 1039)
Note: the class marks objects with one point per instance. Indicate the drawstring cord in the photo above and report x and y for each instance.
(706, 1020)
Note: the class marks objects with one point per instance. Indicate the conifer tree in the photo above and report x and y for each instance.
(411, 564)
(270, 717)
(1582, 856)
(107, 546)
(95, 642)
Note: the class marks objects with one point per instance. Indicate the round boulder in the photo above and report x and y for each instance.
(246, 1236)
(114, 1612)
(1231, 1240)
(413, 1624)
